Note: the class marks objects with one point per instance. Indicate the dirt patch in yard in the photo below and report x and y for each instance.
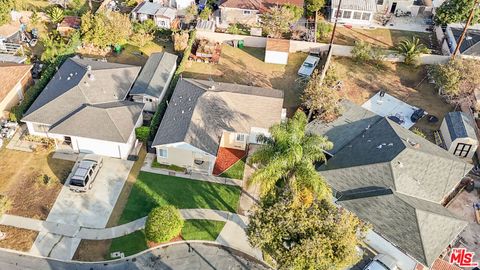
(407, 83)
(17, 239)
(247, 66)
(24, 177)
(96, 250)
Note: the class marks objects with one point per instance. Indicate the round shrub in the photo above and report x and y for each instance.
(163, 223)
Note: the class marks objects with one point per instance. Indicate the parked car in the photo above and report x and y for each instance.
(85, 173)
(417, 115)
(382, 262)
(308, 66)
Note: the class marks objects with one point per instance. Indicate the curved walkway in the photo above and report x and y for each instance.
(113, 232)
(172, 256)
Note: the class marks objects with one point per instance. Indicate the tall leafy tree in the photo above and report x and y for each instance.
(455, 11)
(287, 158)
(6, 7)
(277, 20)
(411, 49)
(317, 236)
(296, 10)
(314, 5)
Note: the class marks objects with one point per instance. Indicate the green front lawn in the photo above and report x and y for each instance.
(235, 171)
(134, 243)
(151, 190)
(155, 164)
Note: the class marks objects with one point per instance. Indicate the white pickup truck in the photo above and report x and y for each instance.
(84, 173)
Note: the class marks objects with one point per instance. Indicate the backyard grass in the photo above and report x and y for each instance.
(135, 55)
(155, 164)
(21, 171)
(385, 38)
(17, 239)
(151, 190)
(133, 243)
(236, 171)
(247, 66)
(407, 83)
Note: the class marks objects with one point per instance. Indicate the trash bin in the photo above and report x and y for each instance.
(240, 44)
(117, 48)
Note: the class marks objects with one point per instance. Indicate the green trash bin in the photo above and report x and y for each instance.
(240, 44)
(117, 48)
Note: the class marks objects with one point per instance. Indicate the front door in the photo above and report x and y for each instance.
(394, 7)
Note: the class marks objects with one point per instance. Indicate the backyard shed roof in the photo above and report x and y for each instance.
(83, 91)
(471, 44)
(394, 179)
(155, 74)
(360, 5)
(199, 111)
(278, 45)
(460, 125)
(155, 9)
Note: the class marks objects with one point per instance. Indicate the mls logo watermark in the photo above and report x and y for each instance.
(462, 257)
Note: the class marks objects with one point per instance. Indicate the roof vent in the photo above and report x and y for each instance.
(413, 144)
(468, 37)
(212, 87)
(71, 74)
(68, 79)
(91, 76)
(89, 68)
(400, 164)
(183, 111)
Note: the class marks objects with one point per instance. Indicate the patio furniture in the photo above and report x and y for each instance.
(396, 119)
(432, 119)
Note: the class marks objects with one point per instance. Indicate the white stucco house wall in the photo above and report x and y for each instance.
(203, 116)
(459, 136)
(84, 109)
(154, 80)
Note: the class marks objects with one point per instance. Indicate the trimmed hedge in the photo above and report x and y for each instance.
(162, 107)
(163, 224)
(142, 133)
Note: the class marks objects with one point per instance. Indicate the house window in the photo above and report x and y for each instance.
(462, 149)
(379, 2)
(239, 137)
(247, 12)
(347, 14)
(161, 23)
(163, 153)
(357, 15)
(339, 13)
(366, 16)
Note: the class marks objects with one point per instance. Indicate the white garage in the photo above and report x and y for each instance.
(276, 51)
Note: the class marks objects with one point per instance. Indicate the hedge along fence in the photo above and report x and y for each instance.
(162, 107)
(51, 68)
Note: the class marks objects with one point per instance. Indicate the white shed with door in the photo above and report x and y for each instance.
(276, 51)
(354, 12)
(459, 136)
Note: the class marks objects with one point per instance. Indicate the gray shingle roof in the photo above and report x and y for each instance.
(421, 228)
(155, 74)
(460, 125)
(470, 45)
(199, 111)
(155, 9)
(394, 179)
(353, 121)
(85, 90)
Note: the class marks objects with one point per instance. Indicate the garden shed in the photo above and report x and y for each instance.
(458, 132)
(276, 51)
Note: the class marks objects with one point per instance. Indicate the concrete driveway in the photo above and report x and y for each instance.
(91, 209)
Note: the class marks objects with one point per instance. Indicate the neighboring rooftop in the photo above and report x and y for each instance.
(155, 75)
(71, 21)
(471, 42)
(393, 179)
(199, 111)
(362, 5)
(11, 74)
(84, 91)
(261, 5)
(460, 126)
(155, 9)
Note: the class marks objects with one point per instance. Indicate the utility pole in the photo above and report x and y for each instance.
(464, 32)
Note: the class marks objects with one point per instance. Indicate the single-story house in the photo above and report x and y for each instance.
(16, 78)
(178, 4)
(68, 25)
(163, 16)
(276, 51)
(458, 133)
(154, 80)
(84, 109)
(471, 43)
(248, 11)
(203, 116)
(395, 180)
(354, 11)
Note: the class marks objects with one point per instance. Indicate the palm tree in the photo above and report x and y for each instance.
(288, 157)
(56, 14)
(411, 49)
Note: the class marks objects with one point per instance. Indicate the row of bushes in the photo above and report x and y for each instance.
(157, 117)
